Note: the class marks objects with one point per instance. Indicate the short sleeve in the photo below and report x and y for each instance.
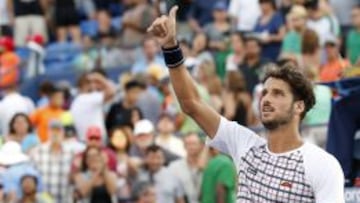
(234, 139)
(325, 176)
(227, 175)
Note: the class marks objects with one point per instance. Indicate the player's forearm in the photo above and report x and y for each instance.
(185, 88)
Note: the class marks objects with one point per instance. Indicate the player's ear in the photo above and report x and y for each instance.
(299, 107)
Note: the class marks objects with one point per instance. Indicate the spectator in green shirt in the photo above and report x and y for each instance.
(353, 38)
(296, 25)
(219, 180)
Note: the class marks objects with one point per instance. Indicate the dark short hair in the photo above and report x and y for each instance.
(46, 87)
(12, 121)
(251, 38)
(300, 86)
(134, 84)
(55, 89)
(153, 149)
(99, 70)
(34, 178)
(272, 2)
(84, 166)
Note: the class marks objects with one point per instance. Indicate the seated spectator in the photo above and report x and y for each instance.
(240, 11)
(291, 45)
(41, 117)
(200, 14)
(236, 58)
(22, 133)
(145, 193)
(17, 165)
(219, 179)
(144, 137)
(310, 49)
(135, 21)
(9, 62)
(323, 22)
(200, 50)
(13, 102)
(335, 65)
(218, 31)
(150, 57)
(95, 182)
(353, 37)
(168, 187)
(189, 170)
(94, 139)
(71, 139)
(89, 56)
(67, 20)
(165, 135)
(30, 193)
(237, 101)
(53, 160)
(110, 55)
(29, 19)
(270, 29)
(120, 113)
(94, 91)
(252, 66)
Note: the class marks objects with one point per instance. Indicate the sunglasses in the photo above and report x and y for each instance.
(94, 138)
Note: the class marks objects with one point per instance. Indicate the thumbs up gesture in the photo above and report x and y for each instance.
(164, 29)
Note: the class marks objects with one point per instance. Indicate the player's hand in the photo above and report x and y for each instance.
(164, 29)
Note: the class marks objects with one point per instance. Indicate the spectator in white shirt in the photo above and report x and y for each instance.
(239, 10)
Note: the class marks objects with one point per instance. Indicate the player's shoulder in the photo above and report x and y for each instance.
(316, 156)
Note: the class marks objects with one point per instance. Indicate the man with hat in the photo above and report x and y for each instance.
(334, 65)
(16, 164)
(53, 160)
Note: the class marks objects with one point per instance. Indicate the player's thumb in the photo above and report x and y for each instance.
(172, 13)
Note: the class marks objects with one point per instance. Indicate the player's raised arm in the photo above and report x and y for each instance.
(164, 29)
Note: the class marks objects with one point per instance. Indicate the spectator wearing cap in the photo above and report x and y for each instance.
(71, 139)
(17, 164)
(28, 18)
(270, 29)
(322, 20)
(353, 37)
(189, 169)
(9, 62)
(335, 65)
(144, 136)
(94, 138)
(166, 137)
(200, 14)
(53, 160)
(240, 11)
(167, 186)
(150, 56)
(12, 102)
(95, 90)
(120, 113)
(21, 132)
(219, 29)
(29, 184)
(296, 20)
(41, 117)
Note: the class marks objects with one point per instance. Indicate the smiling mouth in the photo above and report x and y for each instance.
(267, 109)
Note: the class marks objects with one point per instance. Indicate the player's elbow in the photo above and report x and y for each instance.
(189, 106)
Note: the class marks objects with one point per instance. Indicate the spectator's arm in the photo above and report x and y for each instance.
(10, 10)
(108, 89)
(278, 37)
(220, 193)
(44, 5)
(84, 187)
(110, 182)
(180, 200)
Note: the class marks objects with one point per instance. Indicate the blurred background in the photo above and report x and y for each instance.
(88, 114)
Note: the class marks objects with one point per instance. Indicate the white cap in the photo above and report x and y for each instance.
(143, 127)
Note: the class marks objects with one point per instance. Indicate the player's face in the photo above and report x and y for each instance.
(277, 104)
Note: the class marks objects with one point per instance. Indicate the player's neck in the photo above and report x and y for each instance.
(284, 139)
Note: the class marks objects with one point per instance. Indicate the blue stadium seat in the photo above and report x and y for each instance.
(59, 56)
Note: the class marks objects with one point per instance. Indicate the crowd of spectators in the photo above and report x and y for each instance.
(101, 140)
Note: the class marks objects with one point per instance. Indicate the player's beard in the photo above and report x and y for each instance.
(280, 120)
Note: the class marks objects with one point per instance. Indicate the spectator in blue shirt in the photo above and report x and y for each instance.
(18, 165)
(270, 29)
